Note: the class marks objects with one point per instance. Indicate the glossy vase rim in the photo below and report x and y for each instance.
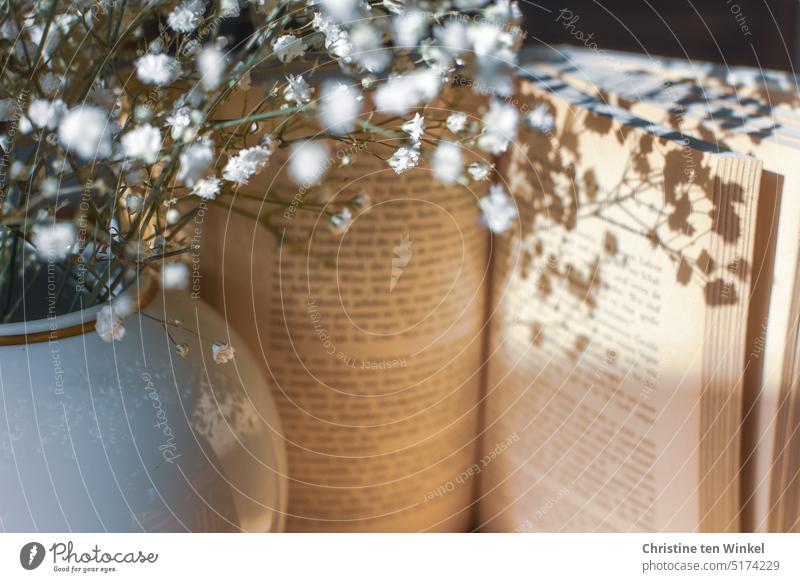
(142, 290)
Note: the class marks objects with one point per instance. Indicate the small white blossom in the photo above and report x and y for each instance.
(409, 28)
(402, 92)
(503, 11)
(54, 240)
(479, 171)
(211, 66)
(123, 306)
(194, 162)
(340, 10)
(308, 162)
(207, 188)
(288, 47)
(338, 107)
(175, 276)
(180, 121)
(44, 113)
(447, 162)
(173, 216)
(222, 353)
(157, 69)
(25, 125)
(187, 16)
(457, 122)
(499, 127)
(337, 41)
(499, 211)
(297, 90)
(341, 221)
(404, 158)
(452, 37)
(540, 119)
(85, 131)
(367, 47)
(491, 40)
(415, 127)
(229, 8)
(142, 143)
(49, 187)
(245, 164)
(108, 324)
(134, 202)
(19, 170)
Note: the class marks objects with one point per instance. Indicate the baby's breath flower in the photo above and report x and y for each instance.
(499, 211)
(142, 143)
(404, 158)
(134, 202)
(308, 162)
(180, 120)
(158, 69)
(502, 11)
(85, 130)
(222, 353)
(340, 221)
(297, 90)
(415, 127)
(54, 240)
(245, 164)
(207, 188)
(288, 48)
(479, 171)
(337, 41)
(49, 187)
(194, 162)
(361, 200)
(540, 119)
(338, 107)
(339, 10)
(211, 65)
(499, 127)
(402, 92)
(452, 37)
(366, 39)
(108, 324)
(457, 122)
(43, 113)
(187, 16)
(175, 276)
(447, 162)
(409, 28)
(142, 112)
(229, 8)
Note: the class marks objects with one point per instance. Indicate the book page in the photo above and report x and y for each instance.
(769, 380)
(618, 329)
(372, 338)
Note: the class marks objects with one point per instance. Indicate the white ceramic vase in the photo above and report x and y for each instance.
(129, 436)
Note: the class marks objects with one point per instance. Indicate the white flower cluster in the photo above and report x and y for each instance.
(138, 117)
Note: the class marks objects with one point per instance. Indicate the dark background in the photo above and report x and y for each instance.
(699, 29)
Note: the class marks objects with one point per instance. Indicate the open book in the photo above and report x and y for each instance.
(595, 368)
